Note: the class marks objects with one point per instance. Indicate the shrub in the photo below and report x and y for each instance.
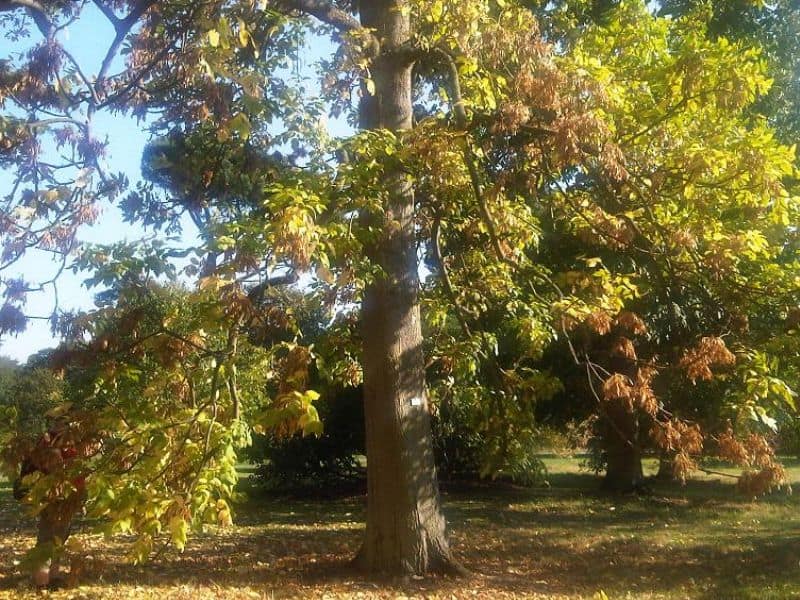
(316, 463)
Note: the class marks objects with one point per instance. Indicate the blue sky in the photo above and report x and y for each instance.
(86, 39)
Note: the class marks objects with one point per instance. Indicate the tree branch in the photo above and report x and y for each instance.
(457, 101)
(55, 120)
(128, 86)
(108, 12)
(35, 9)
(446, 281)
(324, 11)
(82, 76)
(6, 5)
(257, 292)
(123, 28)
(456, 97)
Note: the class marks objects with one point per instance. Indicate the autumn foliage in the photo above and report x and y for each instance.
(605, 213)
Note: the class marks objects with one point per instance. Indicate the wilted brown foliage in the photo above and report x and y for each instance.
(709, 352)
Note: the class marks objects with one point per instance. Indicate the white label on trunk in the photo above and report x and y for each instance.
(416, 401)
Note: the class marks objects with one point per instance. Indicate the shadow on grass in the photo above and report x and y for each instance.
(630, 564)
(699, 541)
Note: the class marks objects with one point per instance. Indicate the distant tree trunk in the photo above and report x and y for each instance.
(665, 472)
(405, 533)
(622, 447)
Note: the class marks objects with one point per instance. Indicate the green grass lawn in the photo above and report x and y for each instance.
(563, 541)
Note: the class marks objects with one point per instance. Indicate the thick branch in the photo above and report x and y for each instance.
(35, 9)
(6, 5)
(108, 12)
(257, 292)
(324, 11)
(123, 28)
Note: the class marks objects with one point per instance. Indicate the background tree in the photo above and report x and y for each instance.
(27, 394)
(771, 27)
(614, 236)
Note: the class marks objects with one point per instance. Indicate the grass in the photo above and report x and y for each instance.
(566, 541)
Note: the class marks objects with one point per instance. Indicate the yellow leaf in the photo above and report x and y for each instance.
(59, 410)
(436, 11)
(213, 38)
(179, 530)
(244, 35)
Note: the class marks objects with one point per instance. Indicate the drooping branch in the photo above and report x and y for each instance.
(456, 97)
(457, 102)
(447, 61)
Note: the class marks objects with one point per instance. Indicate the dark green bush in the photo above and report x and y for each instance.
(332, 460)
(458, 448)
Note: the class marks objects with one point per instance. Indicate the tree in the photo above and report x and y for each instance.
(27, 394)
(773, 27)
(688, 301)
(379, 50)
(634, 306)
(470, 124)
(156, 406)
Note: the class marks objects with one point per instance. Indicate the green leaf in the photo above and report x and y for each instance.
(241, 125)
(179, 531)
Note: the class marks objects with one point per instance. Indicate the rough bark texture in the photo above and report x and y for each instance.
(623, 452)
(405, 533)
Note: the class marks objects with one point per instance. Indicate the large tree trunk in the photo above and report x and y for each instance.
(622, 447)
(405, 532)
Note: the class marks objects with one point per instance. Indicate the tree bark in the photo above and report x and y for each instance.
(622, 448)
(665, 472)
(405, 530)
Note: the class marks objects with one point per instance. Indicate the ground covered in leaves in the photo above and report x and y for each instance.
(563, 541)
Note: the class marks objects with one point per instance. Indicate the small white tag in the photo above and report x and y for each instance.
(416, 401)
